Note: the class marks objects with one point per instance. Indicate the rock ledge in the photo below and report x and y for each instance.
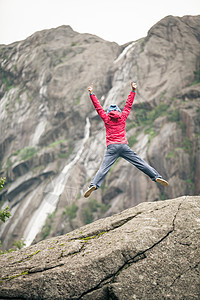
(146, 252)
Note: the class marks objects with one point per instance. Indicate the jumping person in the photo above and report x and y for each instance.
(116, 141)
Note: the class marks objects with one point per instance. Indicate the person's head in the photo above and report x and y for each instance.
(113, 107)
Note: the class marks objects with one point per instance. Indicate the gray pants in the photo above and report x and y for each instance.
(122, 150)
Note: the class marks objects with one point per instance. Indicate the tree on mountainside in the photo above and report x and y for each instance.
(4, 213)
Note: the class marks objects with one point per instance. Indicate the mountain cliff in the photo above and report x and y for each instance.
(150, 251)
(52, 141)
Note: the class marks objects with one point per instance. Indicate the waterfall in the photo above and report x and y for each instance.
(43, 88)
(124, 52)
(38, 132)
(52, 193)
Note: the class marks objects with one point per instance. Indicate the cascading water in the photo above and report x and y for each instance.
(124, 52)
(53, 191)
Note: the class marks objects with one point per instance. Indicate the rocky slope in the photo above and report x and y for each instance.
(52, 141)
(150, 251)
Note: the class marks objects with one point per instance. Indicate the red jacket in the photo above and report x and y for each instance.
(115, 121)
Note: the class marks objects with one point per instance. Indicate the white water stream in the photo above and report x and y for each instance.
(53, 191)
(124, 52)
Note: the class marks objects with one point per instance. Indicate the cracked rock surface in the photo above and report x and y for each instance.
(150, 251)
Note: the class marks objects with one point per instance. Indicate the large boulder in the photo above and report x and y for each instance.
(150, 251)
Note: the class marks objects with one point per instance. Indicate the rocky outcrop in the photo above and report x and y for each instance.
(150, 251)
(52, 142)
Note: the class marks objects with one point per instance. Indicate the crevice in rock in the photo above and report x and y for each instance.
(186, 271)
(142, 254)
(185, 244)
(44, 268)
(29, 271)
(71, 253)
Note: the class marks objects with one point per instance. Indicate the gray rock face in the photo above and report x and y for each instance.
(52, 142)
(150, 251)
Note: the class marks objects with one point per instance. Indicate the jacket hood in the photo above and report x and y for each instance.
(115, 114)
(113, 107)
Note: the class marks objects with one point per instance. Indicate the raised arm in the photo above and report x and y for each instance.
(129, 101)
(96, 103)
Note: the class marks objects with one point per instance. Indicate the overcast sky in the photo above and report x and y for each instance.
(120, 21)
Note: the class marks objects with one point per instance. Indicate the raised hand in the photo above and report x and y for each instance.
(90, 88)
(133, 85)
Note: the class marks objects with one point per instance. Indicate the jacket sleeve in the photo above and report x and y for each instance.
(128, 106)
(98, 107)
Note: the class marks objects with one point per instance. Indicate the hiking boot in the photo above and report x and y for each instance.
(162, 181)
(89, 191)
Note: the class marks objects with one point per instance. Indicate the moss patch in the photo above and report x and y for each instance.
(87, 238)
(14, 276)
(36, 252)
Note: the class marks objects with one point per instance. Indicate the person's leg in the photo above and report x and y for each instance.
(110, 157)
(132, 157)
